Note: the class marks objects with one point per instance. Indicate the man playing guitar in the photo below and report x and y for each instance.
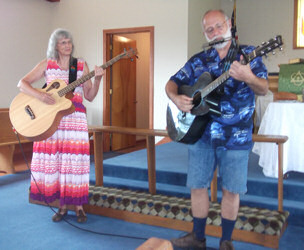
(226, 141)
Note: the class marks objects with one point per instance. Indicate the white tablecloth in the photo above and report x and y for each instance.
(282, 118)
(261, 104)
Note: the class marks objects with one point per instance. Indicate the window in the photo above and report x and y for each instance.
(298, 29)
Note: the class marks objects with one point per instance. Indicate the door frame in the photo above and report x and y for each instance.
(106, 86)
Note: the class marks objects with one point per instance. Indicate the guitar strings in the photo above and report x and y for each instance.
(67, 221)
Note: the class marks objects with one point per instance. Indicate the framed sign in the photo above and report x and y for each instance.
(298, 29)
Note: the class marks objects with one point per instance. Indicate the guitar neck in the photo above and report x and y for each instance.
(88, 76)
(222, 78)
(214, 84)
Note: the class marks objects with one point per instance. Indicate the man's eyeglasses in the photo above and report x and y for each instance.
(218, 26)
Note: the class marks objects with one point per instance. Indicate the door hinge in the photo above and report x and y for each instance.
(111, 91)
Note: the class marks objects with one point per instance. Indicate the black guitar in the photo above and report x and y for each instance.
(189, 127)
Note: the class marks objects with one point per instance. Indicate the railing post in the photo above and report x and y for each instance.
(213, 187)
(150, 140)
(280, 177)
(98, 157)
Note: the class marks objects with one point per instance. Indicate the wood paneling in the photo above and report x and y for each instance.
(273, 83)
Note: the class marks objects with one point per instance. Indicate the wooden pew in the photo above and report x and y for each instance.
(8, 140)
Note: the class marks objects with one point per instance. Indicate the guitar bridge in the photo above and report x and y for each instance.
(30, 112)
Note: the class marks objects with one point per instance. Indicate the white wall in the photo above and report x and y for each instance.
(260, 20)
(26, 25)
(196, 38)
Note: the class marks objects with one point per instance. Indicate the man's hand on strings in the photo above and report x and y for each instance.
(240, 71)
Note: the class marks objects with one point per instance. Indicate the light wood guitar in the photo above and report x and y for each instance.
(37, 120)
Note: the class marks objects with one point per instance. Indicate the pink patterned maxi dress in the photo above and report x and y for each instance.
(61, 163)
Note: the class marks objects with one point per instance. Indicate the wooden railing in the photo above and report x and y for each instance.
(150, 135)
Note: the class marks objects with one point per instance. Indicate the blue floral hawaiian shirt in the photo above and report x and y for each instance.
(233, 129)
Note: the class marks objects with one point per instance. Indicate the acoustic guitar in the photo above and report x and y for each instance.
(189, 127)
(37, 120)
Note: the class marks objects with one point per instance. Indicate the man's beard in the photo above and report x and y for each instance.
(227, 35)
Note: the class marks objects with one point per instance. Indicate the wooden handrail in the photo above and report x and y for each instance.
(8, 143)
(278, 139)
(150, 143)
(130, 131)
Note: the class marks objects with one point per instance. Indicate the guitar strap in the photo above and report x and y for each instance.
(231, 55)
(73, 70)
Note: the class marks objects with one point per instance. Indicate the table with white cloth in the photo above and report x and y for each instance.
(261, 104)
(282, 118)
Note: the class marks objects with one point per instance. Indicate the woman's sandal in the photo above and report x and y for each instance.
(81, 217)
(59, 215)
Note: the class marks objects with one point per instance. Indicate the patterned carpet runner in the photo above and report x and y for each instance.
(262, 221)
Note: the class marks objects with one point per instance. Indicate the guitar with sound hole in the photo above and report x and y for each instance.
(37, 120)
(189, 127)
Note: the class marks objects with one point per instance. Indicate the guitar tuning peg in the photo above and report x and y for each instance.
(281, 48)
(273, 52)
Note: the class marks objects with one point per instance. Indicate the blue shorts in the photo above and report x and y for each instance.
(232, 164)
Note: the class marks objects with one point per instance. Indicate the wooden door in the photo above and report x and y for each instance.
(123, 93)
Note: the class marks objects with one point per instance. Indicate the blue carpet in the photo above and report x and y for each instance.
(27, 226)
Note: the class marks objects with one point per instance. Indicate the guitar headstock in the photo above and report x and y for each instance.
(129, 53)
(266, 47)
